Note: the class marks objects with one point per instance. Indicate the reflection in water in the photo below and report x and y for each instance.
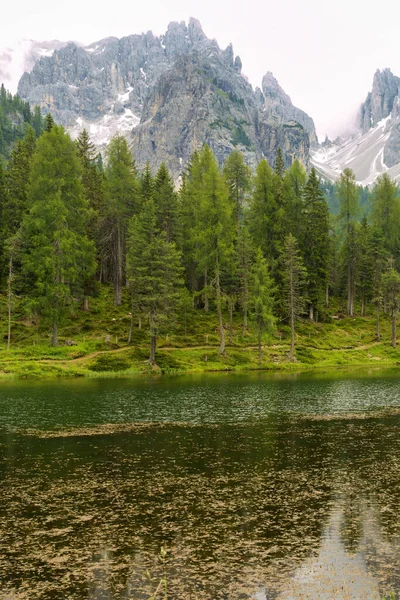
(288, 506)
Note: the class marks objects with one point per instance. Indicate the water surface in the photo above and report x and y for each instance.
(256, 486)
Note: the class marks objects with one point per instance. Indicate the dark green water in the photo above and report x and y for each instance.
(256, 486)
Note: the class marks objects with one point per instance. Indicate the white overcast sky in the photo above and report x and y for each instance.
(323, 53)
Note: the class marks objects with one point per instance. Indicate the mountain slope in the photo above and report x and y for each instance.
(376, 148)
(168, 95)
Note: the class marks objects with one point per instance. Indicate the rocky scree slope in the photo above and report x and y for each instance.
(168, 95)
(375, 149)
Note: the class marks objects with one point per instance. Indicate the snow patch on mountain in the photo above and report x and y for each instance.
(363, 153)
(104, 129)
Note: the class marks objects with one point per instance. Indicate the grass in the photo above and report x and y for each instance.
(100, 345)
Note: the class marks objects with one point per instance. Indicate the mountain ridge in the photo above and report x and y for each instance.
(168, 95)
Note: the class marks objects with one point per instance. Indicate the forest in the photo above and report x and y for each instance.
(261, 248)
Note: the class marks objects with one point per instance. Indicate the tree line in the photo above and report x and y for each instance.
(228, 242)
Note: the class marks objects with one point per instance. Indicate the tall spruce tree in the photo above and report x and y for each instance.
(391, 288)
(315, 242)
(166, 202)
(154, 270)
(56, 253)
(378, 257)
(122, 195)
(348, 194)
(294, 279)
(94, 191)
(261, 298)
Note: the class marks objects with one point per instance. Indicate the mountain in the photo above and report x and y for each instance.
(375, 149)
(14, 61)
(168, 95)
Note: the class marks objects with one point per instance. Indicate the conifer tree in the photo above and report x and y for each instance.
(154, 268)
(17, 180)
(238, 179)
(365, 264)
(295, 180)
(214, 230)
(188, 208)
(262, 210)
(261, 297)
(244, 252)
(348, 194)
(37, 121)
(391, 287)
(122, 194)
(56, 253)
(166, 201)
(315, 242)
(48, 122)
(294, 278)
(378, 258)
(386, 212)
(94, 191)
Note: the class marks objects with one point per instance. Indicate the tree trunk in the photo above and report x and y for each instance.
(394, 329)
(327, 296)
(206, 307)
(54, 337)
(86, 304)
(311, 312)
(363, 307)
(131, 325)
(118, 269)
(291, 351)
(139, 321)
(244, 326)
(378, 323)
(230, 321)
(153, 342)
(259, 341)
(219, 308)
(9, 298)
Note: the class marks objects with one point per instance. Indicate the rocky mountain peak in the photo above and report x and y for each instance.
(379, 102)
(168, 95)
(279, 107)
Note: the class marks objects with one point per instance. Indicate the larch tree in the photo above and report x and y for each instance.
(261, 212)
(238, 179)
(57, 255)
(295, 180)
(214, 231)
(386, 213)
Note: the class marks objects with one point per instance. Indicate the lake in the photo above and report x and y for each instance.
(233, 486)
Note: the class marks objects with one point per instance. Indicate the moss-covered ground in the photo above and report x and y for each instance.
(100, 338)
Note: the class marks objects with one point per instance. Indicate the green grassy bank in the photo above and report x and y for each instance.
(100, 338)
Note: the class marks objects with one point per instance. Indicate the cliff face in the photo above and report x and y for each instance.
(380, 101)
(375, 149)
(168, 95)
